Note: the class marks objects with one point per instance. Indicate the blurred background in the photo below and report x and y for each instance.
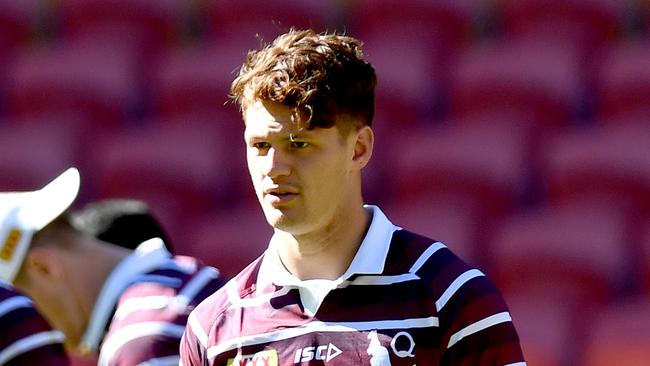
(516, 131)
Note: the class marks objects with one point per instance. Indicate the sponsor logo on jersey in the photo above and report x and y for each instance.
(10, 244)
(267, 357)
(378, 354)
(325, 353)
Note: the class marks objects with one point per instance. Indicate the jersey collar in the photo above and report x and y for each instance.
(145, 258)
(370, 258)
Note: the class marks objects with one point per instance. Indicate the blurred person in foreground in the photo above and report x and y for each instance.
(26, 338)
(126, 307)
(125, 222)
(339, 284)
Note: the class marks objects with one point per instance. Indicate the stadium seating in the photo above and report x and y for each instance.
(620, 335)
(623, 80)
(411, 78)
(229, 239)
(546, 326)
(19, 21)
(194, 82)
(451, 220)
(607, 163)
(581, 250)
(447, 24)
(586, 24)
(146, 24)
(485, 162)
(644, 228)
(33, 155)
(97, 80)
(246, 20)
(541, 80)
(177, 169)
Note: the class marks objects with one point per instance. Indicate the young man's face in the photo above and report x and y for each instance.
(302, 178)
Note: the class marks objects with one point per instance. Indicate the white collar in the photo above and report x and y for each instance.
(369, 259)
(145, 258)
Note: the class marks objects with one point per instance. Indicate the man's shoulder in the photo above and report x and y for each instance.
(430, 260)
(243, 285)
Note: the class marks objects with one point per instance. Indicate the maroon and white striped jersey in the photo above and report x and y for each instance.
(405, 300)
(142, 309)
(25, 336)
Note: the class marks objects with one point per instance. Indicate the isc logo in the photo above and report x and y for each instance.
(321, 353)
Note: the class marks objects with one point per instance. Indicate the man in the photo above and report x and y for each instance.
(339, 283)
(26, 337)
(121, 221)
(133, 302)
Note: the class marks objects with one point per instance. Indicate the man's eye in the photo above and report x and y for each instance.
(261, 145)
(299, 144)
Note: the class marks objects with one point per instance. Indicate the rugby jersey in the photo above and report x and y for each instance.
(25, 336)
(142, 309)
(405, 300)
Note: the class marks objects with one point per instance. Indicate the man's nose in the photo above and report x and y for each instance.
(276, 163)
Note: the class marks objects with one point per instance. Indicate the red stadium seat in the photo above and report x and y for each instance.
(228, 239)
(18, 23)
(610, 163)
(411, 77)
(31, 155)
(245, 19)
(453, 221)
(620, 335)
(484, 162)
(541, 80)
(445, 24)
(178, 169)
(582, 23)
(97, 80)
(545, 324)
(195, 82)
(623, 80)
(147, 24)
(581, 251)
(644, 227)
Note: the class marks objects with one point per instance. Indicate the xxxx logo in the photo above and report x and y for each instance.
(262, 358)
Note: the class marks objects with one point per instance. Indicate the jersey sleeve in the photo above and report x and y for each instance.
(476, 326)
(26, 337)
(193, 348)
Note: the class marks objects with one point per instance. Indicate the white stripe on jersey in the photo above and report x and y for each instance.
(237, 302)
(317, 326)
(29, 343)
(194, 286)
(134, 331)
(141, 303)
(195, 326)
(458, 282)
(431, 250)
(14, 303)
(479, 326)
(517, 364)
(162, 361)
(381, 280)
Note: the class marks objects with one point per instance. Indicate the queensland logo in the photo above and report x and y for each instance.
(10, 244)
(321, 353)
(378, 354)
(267, 357)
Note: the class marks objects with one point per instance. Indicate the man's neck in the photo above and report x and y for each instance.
(326, 254)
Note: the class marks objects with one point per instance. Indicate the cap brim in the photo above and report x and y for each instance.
(43, 206)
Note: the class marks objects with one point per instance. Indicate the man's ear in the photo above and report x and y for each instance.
(363, 145)
(44, 263)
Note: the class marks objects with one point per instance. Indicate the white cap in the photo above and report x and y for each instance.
(22, 214)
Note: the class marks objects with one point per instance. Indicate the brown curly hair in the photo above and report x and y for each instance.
(320, 76)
